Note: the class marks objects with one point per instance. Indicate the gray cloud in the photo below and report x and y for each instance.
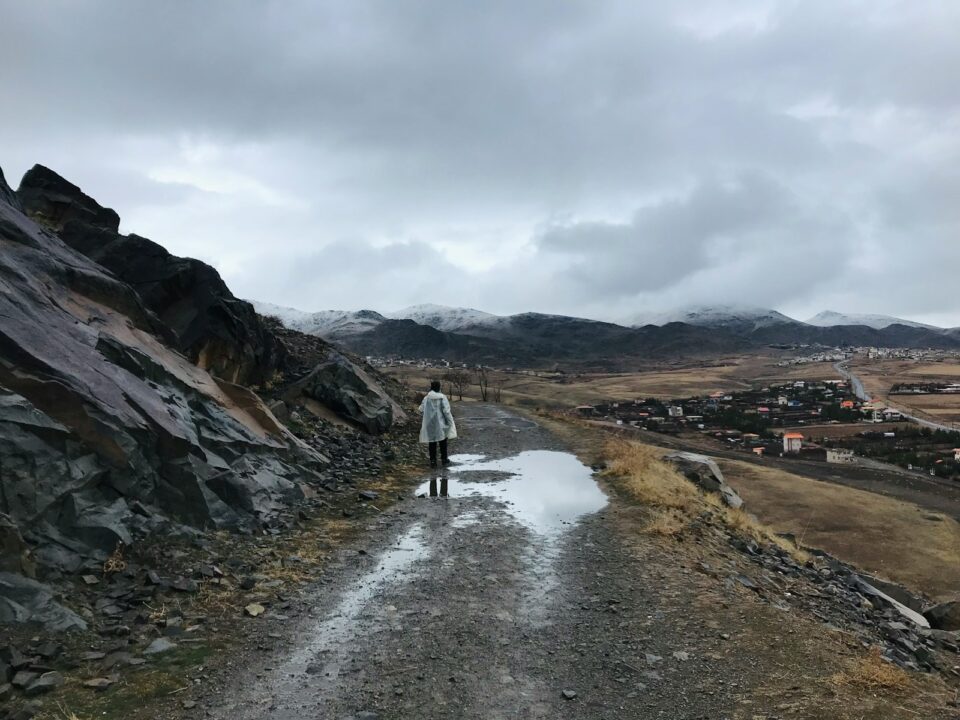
(596, 158)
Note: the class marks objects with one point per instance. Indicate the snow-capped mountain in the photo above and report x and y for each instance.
(733, 317)
(329, 324)
(442, 317)
(829, 318)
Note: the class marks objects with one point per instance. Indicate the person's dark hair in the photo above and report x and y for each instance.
(435, 385)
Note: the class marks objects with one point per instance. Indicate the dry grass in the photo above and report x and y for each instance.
(667, 523)
(872, 674)
(66, 714)
(640, 472)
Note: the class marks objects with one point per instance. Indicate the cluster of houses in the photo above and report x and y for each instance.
(835, 355)
(796, 403)
(940, 388)
(928, 355)
(762, 421)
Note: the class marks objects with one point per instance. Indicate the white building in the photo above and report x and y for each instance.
(840, 455)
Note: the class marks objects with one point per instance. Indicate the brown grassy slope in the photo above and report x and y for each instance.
(895, 539)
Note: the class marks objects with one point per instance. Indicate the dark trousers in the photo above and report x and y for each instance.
(443, 486)
(443, 452)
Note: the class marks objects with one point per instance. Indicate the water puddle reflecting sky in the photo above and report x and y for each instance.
(544, 490)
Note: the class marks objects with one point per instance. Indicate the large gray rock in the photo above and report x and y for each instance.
(879, 597)
(945, 616)
(704, 472)
(23, 600)
(14, 555)
(99, 417)
(347, 389)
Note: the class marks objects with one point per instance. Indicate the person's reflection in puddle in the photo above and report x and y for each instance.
(443, 486)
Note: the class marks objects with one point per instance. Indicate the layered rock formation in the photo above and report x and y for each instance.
(106, 433)
(217, 331)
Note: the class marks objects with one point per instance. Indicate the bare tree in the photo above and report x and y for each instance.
(458, 380)
(483, 382)
(498, 390)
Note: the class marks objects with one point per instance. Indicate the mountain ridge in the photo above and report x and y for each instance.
(528, 339)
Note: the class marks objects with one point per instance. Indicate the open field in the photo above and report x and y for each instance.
(883, 535)
(879, 376)
(552, 391)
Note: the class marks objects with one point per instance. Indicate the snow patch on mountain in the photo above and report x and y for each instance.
(720, 316)
(328, 324)
(442, 317)
(829, 318)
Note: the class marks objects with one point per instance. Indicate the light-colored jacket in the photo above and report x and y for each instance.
(437, 422)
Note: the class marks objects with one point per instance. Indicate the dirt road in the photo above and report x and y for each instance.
(512, 597)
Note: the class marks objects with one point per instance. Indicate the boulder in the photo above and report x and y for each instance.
(14, 555)
(107, 433)
(945, 616)
(280, 410)
(897, 592)
(213, 328)
(45, 683)
(23, 600)
(350, 391)
(704, 472)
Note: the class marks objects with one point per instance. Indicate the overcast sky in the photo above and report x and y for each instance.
(604, 159)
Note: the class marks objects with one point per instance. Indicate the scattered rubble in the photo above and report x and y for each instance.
(839, 596)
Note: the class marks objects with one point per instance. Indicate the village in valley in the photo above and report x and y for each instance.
(821, 420)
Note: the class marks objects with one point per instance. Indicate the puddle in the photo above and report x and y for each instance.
(544, 490)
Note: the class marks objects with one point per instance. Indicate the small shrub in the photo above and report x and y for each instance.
(872, 673)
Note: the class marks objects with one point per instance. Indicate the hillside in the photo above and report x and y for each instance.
(128, 409)
(829, 318)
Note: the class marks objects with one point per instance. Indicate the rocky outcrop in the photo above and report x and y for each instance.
(24, 600)
(216, 330)
(704, 472)
(350, 391)
(106, 433)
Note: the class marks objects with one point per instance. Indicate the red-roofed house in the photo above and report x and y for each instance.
(792, 442)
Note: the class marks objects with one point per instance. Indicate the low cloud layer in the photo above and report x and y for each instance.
(605, 159)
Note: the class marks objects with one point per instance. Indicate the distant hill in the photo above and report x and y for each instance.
(443, 317)
(328, 324)
(830, 318)
(736, 318)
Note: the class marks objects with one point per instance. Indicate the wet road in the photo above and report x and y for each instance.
(440, 621)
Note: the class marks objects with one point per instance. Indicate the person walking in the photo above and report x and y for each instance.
(438, 426)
